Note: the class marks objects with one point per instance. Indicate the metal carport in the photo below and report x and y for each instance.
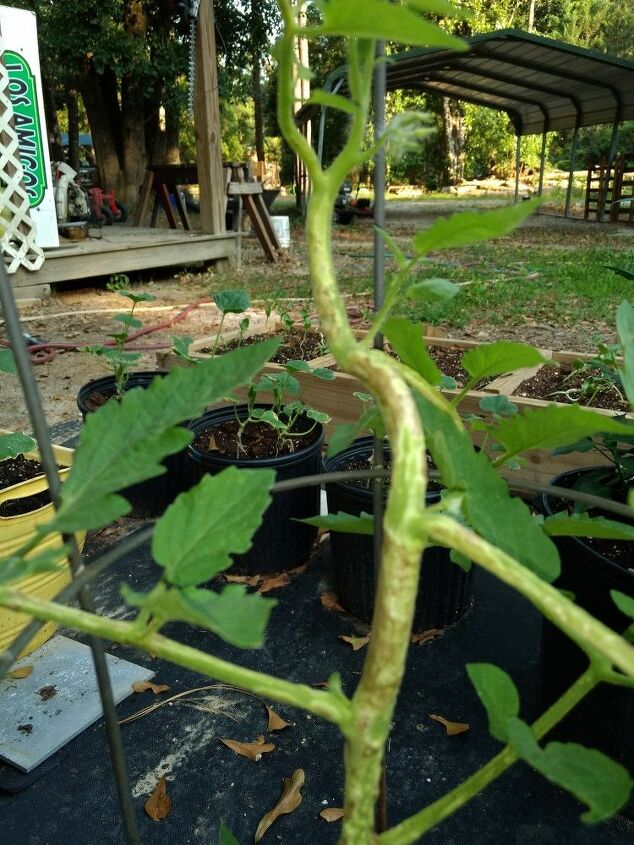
(542, 85)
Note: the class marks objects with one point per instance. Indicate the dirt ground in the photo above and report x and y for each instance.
(83, 315)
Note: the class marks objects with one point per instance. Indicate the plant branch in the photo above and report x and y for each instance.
(331, 706)
(578, 624)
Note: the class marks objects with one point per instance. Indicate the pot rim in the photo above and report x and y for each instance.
(287, 460)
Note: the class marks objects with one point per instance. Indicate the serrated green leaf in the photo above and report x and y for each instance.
(393, 247)
(332, 101)
(14, 444)
(502, 356)
(318, 416)
(407, 341)
(238, 617)
(553, 426)
(498, 404)
(625, 328)
(124, 442)
(486, 503)
(137, 297)
(297, 366)
(232, 301)
(128, 320)
(180, 346)
(498, 694)
(225, 837)
(323, 373)
(7, 361)
(381, 19)
(284, 382)
(196, 535)
(344, 522)
(471, 227)
(16, 568)
(432, 290)
(624, 603)
(581, 525)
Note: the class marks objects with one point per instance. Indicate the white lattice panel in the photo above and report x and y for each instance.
(18, 238)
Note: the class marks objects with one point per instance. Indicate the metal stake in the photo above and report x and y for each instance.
(518, 161)
(571, 172)
(40, 430)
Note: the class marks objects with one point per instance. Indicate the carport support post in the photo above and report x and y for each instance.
(611, 157)
(542, 163)
(571, 172)
(518, 161)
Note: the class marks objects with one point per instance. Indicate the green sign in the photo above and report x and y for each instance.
(26, 119)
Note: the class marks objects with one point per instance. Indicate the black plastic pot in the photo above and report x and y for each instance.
(148, 498)
(279, 543)
(604, 719)
(445, 591)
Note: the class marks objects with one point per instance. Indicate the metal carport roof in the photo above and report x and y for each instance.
(542, 84)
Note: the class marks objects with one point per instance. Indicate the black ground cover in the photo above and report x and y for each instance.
(74, 799)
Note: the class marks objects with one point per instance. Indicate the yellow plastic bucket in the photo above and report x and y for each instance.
(17, 530)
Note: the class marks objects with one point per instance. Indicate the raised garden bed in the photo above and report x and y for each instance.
(337, 398)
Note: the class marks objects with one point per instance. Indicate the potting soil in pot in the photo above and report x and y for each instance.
(13, 471)
(259, 440)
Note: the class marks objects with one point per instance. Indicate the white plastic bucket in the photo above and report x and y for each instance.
(282, 226)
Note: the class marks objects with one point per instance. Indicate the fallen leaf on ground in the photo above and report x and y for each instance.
(26, 729)
(276, 723)
(273, 582)
(425, 636)
(332, 814)
(330, 602)
(356, 642)
(252, 750)
(144, 686)
(47, 692)
(159, 803)
(452, 728)
(18, 674)
(249, 580)
(290, 800)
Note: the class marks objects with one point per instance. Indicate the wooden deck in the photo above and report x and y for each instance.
(121, 249)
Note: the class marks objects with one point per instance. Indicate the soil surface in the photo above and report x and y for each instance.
(563, 384)
(13, 471)
(366, 464)
(259, 440)
(297, 346)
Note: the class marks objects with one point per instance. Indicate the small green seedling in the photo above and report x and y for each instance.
(115, 357)
(229, 302)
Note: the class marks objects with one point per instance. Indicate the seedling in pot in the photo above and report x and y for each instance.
(229, 302)
(600, 375)
(115, 357)
(283, 416)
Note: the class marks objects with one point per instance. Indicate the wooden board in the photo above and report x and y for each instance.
(122, 249)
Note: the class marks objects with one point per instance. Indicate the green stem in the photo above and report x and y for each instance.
(413, 828)
(216, 341)
(577, 623)
(330, 706)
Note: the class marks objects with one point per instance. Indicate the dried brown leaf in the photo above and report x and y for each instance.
(47, 692)
(18, 674)
(249, 580)
(452, 728)
(144, 686)
(273, 582)
(252, 750)
(356, 642)
(426, 636)
(332, 814)
(290, 800)
(159, 803)
(330, 602)
(276, 723)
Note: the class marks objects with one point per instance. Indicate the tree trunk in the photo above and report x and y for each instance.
(453, 141)
(172, 135)
(55, 145)
(73, 128)
(104, 139)
(256, 79)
